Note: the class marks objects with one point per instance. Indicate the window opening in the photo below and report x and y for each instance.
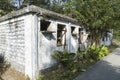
(61, 35)
(73, 31)
(80, 35)
(45, 27)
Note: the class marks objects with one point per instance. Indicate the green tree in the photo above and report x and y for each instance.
(54, 5)
(57, 6)
(6, 6)
(95, 15)
(40, 3)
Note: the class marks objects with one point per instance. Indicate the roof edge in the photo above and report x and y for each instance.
(36, 9)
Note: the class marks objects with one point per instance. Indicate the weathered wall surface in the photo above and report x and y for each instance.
(47, 43)
(74, 39)
(12, 42)
(25, 46)
(18, 42)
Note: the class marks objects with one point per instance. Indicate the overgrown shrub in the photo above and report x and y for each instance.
(63, 57)
(2, 59)
(40, 77)
(97, 52)
(75, 63)
(27, 77)
(81, 54)
(3, 64)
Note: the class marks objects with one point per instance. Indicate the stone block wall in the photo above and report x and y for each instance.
(12, 43)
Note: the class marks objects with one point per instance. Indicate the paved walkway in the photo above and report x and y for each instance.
(106, 69)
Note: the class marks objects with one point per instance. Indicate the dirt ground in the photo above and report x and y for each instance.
(12, 74)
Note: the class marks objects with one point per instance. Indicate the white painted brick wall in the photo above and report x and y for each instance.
(12, 43)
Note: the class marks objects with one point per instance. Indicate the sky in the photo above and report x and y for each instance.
(17, 4)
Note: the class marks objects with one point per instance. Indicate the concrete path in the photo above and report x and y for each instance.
(106, 69)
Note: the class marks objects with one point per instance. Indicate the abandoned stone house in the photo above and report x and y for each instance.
(29, 36)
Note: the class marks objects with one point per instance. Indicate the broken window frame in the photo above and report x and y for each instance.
(80, 35)
(61, 35)
(73, 31)
(45, 26)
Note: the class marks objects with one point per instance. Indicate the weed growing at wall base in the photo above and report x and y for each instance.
(63, 57)
(3, 64)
